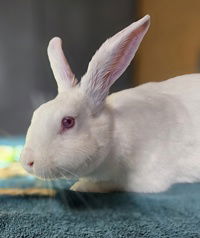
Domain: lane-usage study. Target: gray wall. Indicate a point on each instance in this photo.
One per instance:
(26, 26)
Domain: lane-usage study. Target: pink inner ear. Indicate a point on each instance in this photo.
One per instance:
(123, 54)
(112, 59)
(60, 67)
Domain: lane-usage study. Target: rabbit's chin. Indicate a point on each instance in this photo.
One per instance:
(51, 174)
(46, 174)
(54, 176)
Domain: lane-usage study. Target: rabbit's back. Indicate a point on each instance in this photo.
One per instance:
(175, 96)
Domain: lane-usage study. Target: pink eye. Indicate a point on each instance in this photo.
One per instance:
(68, 122)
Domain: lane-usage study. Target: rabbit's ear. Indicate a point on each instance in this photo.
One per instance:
(60, 67)
(111, 60)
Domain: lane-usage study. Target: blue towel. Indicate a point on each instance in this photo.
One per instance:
(175, 213)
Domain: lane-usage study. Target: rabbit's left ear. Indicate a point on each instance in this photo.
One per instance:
(111, 60)
(60, 67)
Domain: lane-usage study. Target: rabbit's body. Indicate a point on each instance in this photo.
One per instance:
(156, 135)
(142, 139)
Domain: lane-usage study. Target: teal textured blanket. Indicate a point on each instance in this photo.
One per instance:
(175, 213)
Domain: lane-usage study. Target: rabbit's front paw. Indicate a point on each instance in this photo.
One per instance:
(84, 185)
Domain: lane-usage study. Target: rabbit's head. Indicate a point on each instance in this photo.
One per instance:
(71, 135)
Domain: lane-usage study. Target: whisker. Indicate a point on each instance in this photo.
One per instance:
(69, 172)
(79, 195)
(62, 194)
(49, 185)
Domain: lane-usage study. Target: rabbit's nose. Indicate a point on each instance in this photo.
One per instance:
(30, 164)
(27, 159)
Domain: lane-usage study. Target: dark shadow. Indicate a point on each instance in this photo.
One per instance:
(124, 200)
(78, 200)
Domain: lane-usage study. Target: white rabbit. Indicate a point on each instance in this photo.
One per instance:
(142, 139)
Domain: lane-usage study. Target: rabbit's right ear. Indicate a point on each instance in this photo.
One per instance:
(111, 60)
(60, 67)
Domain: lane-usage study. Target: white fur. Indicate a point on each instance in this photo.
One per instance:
(61, 69)
(142, 139)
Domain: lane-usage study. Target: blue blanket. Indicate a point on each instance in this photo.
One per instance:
(175, 213)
